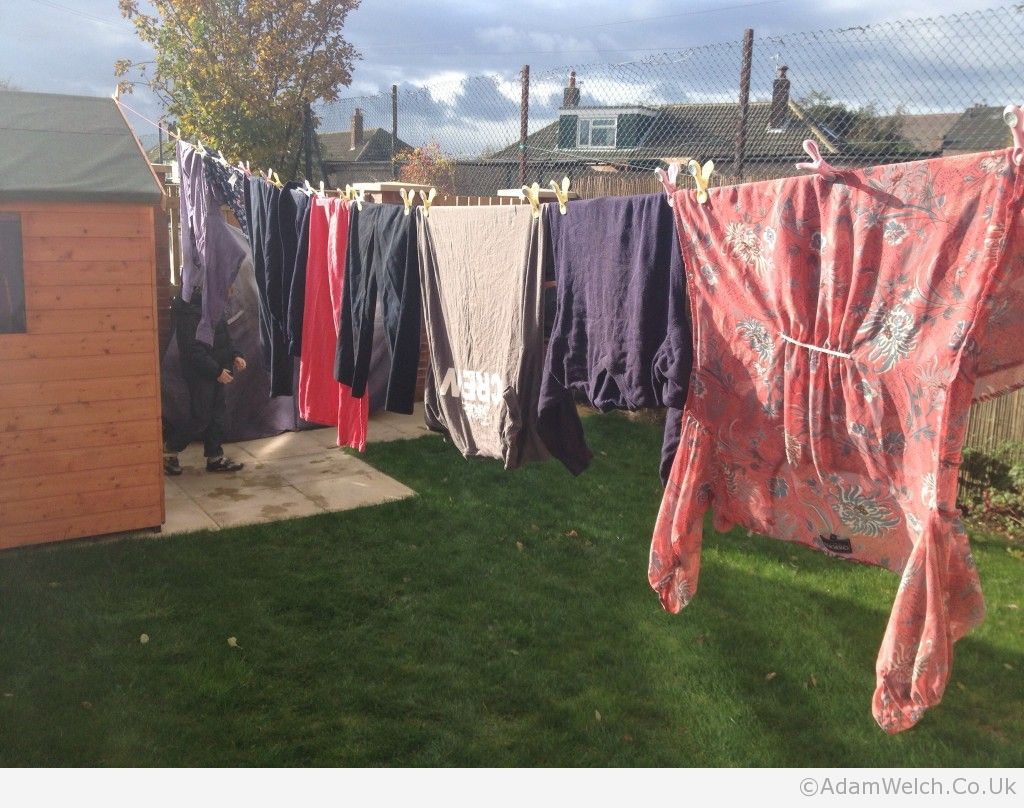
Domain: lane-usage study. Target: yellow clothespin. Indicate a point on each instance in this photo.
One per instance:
(427, 199)
(349, 192)
(561, 194)
(701, 175)
(407, 199)
(532, 194)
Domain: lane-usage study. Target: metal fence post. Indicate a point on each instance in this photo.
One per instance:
(524, 121)
(394, 130)
(307, 139)
(741, 124)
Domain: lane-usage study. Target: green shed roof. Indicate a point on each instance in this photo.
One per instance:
(70, 148)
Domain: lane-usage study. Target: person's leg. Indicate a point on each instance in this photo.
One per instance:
(214, 434)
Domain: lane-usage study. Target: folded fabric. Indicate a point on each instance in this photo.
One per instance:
(841, 329)
(620, 338)
(481, 280)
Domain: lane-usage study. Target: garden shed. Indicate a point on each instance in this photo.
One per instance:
(80, 438)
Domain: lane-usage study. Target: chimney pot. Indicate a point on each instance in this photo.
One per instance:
(571, 94)
(780, 100)
(357, 128)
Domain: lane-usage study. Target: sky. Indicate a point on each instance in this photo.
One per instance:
(70, 46)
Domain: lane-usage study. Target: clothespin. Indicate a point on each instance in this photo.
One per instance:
(427, 199)
(561, 193)
(1013, 116)
(349, 192)
(358, 196)
(817, 163)
(701, 175)
(200, 148)
(532, 194)
(668, 180)
(306, 188)
(407, 199)
(276, 181)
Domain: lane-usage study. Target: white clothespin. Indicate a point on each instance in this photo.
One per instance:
(701, 176)
(561, 193)
(322, 193)
(407, 199)
(427, 199)
(201, 148)
(532, 194)
(817, 163)
(358, 196)
(1013, 116)
(668, 180)
(306, 188)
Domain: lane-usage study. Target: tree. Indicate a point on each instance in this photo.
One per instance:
(238, 73)
(862, 128)
(427, 165)
(5, 84)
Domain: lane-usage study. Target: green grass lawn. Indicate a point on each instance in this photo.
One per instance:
(496, 619)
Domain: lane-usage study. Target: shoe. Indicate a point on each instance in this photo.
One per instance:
(172, 468)
(223, 464)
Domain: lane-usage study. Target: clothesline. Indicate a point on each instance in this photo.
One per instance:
(198, 147)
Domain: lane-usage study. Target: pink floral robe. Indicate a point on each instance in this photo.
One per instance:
(841, 330)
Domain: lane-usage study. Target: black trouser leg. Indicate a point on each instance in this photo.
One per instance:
(201, 394)
(217, 424)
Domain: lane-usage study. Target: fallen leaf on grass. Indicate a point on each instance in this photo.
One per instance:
(597, 714)
(54, 584)
(143, 638)
(1016, 553)
(627, 738)
(520, 546)
(87, 705)
(812, 682)
(770, 676)
(1012, 606)
(1008, 666)
(572, 534)
(8, 695)
(233, 642)
(961, 686)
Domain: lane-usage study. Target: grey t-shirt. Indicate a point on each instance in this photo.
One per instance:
(481, 277)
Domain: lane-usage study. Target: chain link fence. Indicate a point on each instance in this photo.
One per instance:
(869, 94)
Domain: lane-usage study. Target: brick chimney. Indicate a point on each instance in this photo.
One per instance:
(571, 94)
(357, 128)
(780, 100)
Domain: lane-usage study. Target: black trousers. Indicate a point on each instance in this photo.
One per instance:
(207, 419)
(382, 261)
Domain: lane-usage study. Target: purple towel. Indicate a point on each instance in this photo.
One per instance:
(621, 335)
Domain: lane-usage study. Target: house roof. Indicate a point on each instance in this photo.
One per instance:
(926, 132)
(978, 129)
(336, 147)
(682, 131)
(70, 148)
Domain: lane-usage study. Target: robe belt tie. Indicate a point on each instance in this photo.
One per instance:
(829, 351)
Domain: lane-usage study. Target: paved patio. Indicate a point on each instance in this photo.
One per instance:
(290, 475)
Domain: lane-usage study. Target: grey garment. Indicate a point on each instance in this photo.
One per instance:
(210, 254)
(481, 277)
(251, 412)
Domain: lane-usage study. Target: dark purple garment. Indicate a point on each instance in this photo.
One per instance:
(621, 335)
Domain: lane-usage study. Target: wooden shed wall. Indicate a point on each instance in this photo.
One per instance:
(80, 438)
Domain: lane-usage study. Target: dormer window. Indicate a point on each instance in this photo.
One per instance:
(596, 133)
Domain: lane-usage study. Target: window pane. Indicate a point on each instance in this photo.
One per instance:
(604, 122)
(584, 138)
(12, 281)
(602, 136)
